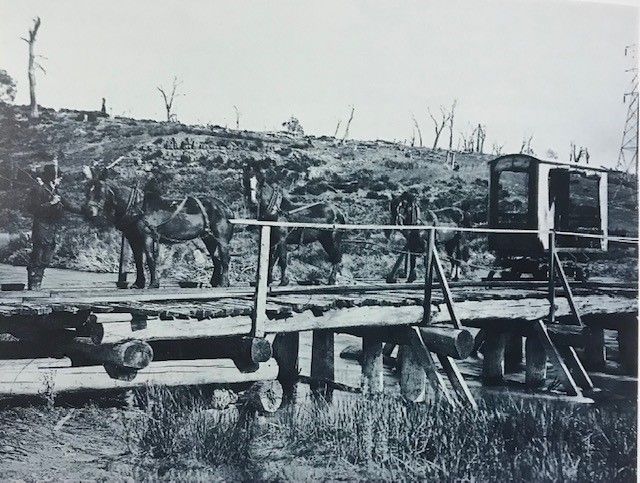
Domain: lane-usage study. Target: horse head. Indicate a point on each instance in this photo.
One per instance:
(404, 209)
(102, 199)
(262, 197)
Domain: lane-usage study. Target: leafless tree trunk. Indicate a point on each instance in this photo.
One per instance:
(451, 120)
(33, 64)
(169, 98)
(497, 149)
(415, 123)
(525, 148)
(439, 124)
(235, 108)
(481, 135)
(346, 129)
(335, 133)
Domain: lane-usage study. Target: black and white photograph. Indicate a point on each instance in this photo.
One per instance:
(296, 240)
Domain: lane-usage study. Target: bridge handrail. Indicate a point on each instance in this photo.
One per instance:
(346, 226)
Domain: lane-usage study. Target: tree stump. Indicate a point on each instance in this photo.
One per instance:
(536, 362)
(493, 363)
(413, 380)
(372, 377)
(264, 396)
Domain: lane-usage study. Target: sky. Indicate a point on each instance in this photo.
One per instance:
(554, 70)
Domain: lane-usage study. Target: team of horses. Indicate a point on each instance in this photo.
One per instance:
(147, 220)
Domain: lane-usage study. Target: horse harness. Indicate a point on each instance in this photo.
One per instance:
(155, 228)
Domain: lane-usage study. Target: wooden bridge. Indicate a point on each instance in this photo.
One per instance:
(245, 334)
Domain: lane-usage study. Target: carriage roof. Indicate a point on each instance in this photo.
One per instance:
(523, 161)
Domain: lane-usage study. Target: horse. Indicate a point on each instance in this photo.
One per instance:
(405, 210)
(146, 223)
(270, 203)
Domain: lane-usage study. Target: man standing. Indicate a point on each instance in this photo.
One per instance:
(46, 207)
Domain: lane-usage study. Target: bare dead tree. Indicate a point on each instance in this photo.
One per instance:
(335, 133)
(452, 114)
(417, 128)
(169, 98)
(525, 148)
(235, 108)
(497, 149)
(413, 136)
(572, 152)
(481, 135)
(33, 64)
(440, 123)
(346, 129)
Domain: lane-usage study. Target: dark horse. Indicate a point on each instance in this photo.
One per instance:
(405, 210)
(270, 203)
(147, 223)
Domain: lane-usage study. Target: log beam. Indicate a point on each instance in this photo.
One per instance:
(513, 353)
(413, 379)
(322, 363)
(595, 351)
(372, 377)
(285, 351)
(536, 362)
(493, 362)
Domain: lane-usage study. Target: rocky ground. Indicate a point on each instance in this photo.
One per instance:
(358, 176)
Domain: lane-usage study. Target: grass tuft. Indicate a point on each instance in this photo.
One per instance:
(387, 438)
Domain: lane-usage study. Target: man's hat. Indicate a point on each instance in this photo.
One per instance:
(50, 171)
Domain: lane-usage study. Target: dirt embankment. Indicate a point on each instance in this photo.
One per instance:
(358, 176)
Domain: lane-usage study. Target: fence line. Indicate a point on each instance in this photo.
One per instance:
(342, 226)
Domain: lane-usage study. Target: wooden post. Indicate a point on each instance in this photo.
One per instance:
(372, 378)
(554, 355)
(413, 379)
(322, 363)
(285, 352)
(259, 315)
(552, 277)
(423, 356)
(446, 291)
(567, 289)
(575, 367)
(536, 362)
(628, 347)
(457, 381)
(493, 362)
(428, 274)
(595, 352)
(513, 353)
(122, 274)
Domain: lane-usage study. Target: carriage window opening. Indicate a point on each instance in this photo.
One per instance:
(513, 197)
(584, 202)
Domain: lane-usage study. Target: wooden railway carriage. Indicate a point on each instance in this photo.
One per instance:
(534, 194)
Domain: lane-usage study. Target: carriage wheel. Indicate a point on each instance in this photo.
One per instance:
(581, 275)
(511, 274)
(541, 273)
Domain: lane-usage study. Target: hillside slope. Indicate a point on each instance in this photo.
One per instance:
(357, 175)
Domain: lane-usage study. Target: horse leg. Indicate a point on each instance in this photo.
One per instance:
(273, 258)
(225, 259)
(211, 243)
(456, 276)
(412, 267)
(449, 248)
(330, 245)
(151, 253)
(282, 263)
(391, 278)
(136, 249)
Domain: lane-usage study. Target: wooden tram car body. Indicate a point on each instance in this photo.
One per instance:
(534, 194)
